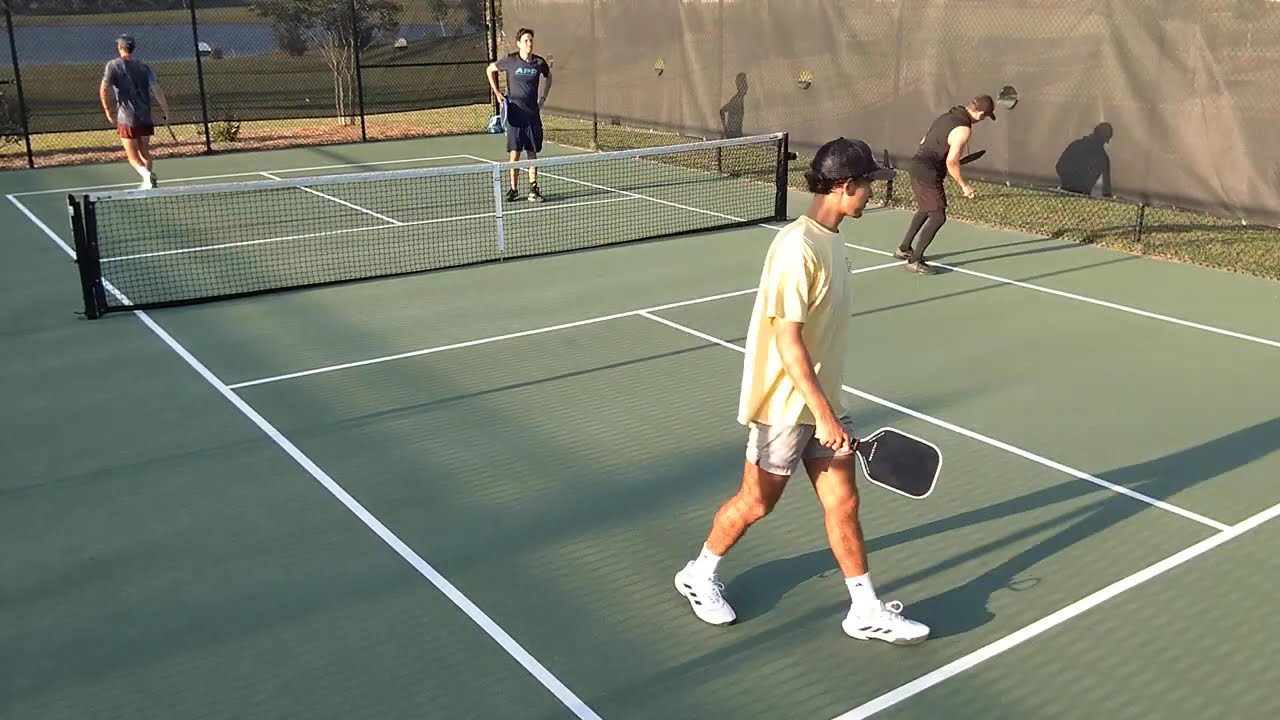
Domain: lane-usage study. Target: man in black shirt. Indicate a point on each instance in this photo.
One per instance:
(938, 156)
(524, 99)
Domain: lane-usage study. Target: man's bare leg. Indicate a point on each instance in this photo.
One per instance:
(140, 165)
(144, 152)
(533, 171)
(756, 498)
(835, 482)
(758, 495)
(131, 154)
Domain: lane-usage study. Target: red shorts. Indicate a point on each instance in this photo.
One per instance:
(136, 131)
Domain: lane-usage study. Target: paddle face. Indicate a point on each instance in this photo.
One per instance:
(972, 156)
(903, 463)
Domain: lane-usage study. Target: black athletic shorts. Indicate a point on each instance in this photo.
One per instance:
(525, 138)
(930, 194)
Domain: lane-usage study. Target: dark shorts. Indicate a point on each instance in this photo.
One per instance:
(136, 131)
(525, 138)
(929, 194)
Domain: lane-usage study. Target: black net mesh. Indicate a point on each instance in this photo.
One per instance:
(149, 248)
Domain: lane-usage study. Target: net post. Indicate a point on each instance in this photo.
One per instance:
(84, 233)
(497, 215)
(780, 179)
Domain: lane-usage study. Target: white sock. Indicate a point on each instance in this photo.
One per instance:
(143, 171)
(705, 565)
(861, 591)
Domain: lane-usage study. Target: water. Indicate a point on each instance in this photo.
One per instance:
(77, 44)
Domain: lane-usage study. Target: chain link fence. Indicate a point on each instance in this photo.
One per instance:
(244, 74)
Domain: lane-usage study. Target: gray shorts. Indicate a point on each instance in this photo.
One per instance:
(778, 449)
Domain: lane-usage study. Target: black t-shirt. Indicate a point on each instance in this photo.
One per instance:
(523, 77)
(930, 160)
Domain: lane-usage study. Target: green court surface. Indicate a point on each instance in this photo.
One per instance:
(465, 493)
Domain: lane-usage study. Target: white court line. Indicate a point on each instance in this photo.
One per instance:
(478, 616)
(242, 174)
(340, 201)
(631, 194)
(367, 228)
(978, 436)
(1094, 301)
(1049, 622)
(996, 278)
(510, 336)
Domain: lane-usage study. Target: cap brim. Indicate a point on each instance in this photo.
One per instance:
(881, 174)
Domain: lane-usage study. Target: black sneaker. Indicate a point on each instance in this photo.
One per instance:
(534, 194)
(512, 195)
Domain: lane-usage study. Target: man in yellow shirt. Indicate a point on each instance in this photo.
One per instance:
(792, 402)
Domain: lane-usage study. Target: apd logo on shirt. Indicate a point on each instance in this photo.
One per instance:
(527, 71)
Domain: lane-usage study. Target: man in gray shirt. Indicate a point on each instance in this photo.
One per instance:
(135, 86)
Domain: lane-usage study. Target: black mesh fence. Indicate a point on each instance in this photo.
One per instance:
(1142, 124)
(244, 74)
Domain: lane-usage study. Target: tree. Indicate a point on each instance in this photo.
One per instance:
(439, 11)
(1251, 12)
(327, 26)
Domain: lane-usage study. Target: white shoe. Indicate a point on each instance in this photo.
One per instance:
(704, 596)
(884, 622)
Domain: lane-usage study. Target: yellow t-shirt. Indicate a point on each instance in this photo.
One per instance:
(805, 279)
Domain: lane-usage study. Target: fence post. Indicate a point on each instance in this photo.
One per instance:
(595, 102)
(888, 186)
(355, 49)
(204, 103)
(493, 47)
(1137, 229)
(17, 79)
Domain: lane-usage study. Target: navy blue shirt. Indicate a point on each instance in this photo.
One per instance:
(523, 77)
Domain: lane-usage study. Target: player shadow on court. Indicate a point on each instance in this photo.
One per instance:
(733, 113)
(1042, 246)
(967, 607)
(994, 285)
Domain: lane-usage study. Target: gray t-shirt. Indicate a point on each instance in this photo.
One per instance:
(132, 80)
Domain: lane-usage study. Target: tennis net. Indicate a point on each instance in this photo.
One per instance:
(179, 245)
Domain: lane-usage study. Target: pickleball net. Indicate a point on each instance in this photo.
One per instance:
(197, 243)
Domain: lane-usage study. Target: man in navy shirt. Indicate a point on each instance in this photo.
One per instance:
(524, 99)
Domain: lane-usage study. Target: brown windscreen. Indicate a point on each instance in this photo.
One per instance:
(1162, 101)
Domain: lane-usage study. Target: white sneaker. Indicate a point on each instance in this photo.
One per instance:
(884, 622)
(704, 596)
